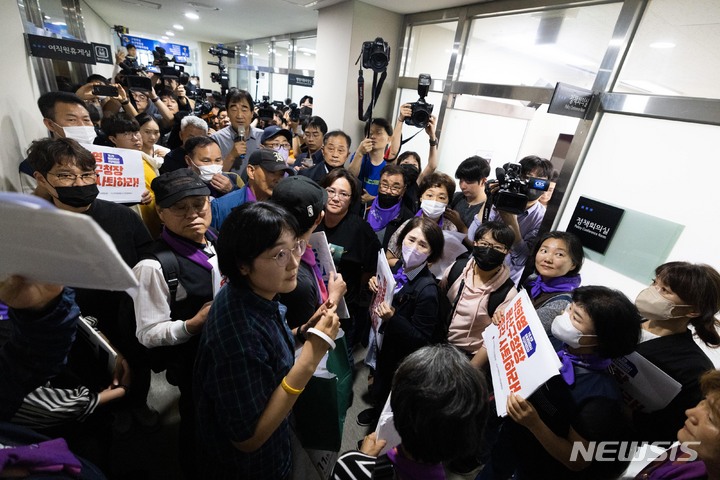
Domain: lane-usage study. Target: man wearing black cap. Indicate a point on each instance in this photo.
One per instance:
(171, 312)
(265, 170)
(277, 139)
(305, 200)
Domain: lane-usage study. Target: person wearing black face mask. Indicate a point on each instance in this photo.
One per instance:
(387, 212)
(476, 288)
(525, 225)
(66, 171)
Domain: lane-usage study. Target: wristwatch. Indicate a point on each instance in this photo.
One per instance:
(433, 143)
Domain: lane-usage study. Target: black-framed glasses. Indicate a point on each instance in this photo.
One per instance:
(395, 188)
(494, 246)
(69, 178)
(282, 258)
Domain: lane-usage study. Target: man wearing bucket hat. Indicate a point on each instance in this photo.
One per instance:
(177, 283)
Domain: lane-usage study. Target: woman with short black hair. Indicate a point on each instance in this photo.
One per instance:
(246, 377)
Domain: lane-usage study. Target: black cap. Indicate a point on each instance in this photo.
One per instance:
(274, 131)
(171, 187)
(270, 160)
(302, 197)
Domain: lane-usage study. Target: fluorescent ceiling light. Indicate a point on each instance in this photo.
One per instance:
(164, 37)
(170, 33)
(177, 26)
(58, 23)
(192, 15)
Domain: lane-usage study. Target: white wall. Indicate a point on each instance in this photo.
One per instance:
(342, 29)
(98, 31)
(20, 120)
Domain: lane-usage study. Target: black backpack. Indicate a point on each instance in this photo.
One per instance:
(447, 308)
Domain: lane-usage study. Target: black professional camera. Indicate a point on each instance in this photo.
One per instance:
(265, 112)
(376, 55)
(421, 110)
(159, 58)
(515, 191)
(221, 76)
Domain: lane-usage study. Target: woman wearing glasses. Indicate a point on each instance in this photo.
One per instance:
(470, 288)
(354, 246)
(246, 378)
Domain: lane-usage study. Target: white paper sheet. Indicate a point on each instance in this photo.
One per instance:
(645, 386)
(386, 429)
(320, 246)
(45, 244)
(453, 248)
(386, 290)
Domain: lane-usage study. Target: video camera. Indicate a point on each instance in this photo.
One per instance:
(221, 76)
(266, 112)
(299, 114)
(159, 57)
(376, 55)
(515, 191)
(421, 110)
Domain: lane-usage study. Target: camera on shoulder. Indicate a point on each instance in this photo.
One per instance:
(376, 55)
(515, 189)
(421, 110)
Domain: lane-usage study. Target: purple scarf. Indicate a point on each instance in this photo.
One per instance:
(400, 278)
(589, 361)
(378, 218)
(51, 456)
(440, 220)
(308, 257)
(187, 248)
(666, 470)
(558, 284)
(412, 470)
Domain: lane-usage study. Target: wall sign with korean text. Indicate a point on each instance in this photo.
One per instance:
(595, 223)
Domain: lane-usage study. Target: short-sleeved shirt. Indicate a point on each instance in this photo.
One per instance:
(370, 175)
(226, 139)
(467, 212)
(245, 351)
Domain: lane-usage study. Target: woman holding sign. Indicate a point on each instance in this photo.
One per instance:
(682, 294)
(412, 321)
(581, 405)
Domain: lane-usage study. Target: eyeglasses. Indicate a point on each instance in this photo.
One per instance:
(333, 193)
(395, 188)
(279, 145)
(283, 256)
(70, 178)
(181, 210)
(332, 150)
(499, 248)
(129, 135)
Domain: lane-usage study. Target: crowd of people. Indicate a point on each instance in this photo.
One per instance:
(233, 306)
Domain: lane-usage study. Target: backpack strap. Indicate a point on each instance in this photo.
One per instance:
(171, 270)
(498, 296)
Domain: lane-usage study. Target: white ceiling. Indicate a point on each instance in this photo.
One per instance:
(224, 21)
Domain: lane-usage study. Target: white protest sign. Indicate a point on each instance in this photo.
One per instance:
(121, 174)
(386, 290)
(520, 354)
(645, 387)
(386, 428)
(324, 259)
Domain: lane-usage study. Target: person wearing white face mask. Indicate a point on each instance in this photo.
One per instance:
(681, 295)
(436, 190)
(203, 156)
(412, 321)
(582, 404)
(65, 116)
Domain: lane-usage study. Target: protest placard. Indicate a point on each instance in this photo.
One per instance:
(121, 174)
(324, 259)
(386, 290)
(645, 387)
(520, 354)
(48, 245)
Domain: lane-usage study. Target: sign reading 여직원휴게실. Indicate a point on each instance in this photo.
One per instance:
(300, 80)
(60, 49)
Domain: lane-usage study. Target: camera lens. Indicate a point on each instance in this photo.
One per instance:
(420, 118)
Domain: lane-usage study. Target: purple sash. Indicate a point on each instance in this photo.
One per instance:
(558, 284)
(187, 248)
(378, 218)
(589, 361)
